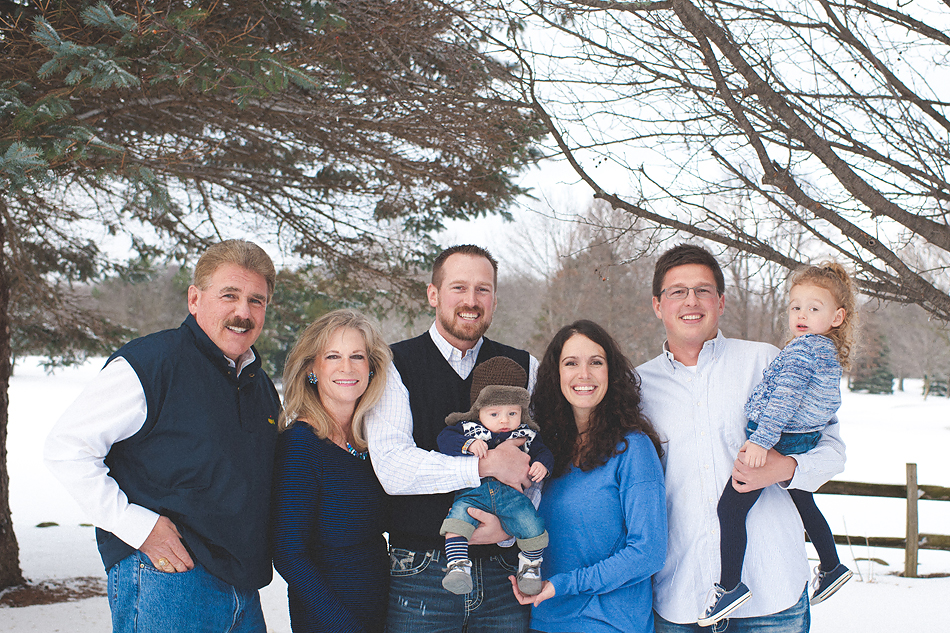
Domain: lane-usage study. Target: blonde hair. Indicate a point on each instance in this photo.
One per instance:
(833, 277)
(301, 399)
(245, 254)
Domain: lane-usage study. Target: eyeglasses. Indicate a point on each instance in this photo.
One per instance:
(679, 293)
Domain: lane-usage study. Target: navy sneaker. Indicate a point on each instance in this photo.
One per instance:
(725, 603)
(828, 582)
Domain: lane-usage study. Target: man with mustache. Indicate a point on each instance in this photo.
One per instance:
(429, 379)
(170, 452)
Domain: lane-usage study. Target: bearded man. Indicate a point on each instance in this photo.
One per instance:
(431, 378)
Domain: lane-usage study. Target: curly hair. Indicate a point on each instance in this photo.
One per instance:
(833, 277)
(302, 401)
(618, 413)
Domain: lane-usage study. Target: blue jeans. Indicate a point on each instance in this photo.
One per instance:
(144, 599)
(419, 604)
(795, 619)
(513, 509)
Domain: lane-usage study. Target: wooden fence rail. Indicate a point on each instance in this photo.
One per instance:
(913, 493)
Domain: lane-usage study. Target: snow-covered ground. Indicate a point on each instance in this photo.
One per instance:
(883, 433)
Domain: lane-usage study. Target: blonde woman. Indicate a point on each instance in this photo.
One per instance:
(329, 509)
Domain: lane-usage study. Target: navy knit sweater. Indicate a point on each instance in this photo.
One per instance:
(329, 516)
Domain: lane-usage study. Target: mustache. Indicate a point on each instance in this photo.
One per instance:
(238, 322)
(475, 309)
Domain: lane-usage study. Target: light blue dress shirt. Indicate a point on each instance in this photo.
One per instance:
(698, 413)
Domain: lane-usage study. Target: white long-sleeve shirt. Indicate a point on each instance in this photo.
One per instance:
(110, 409)
(401, 466)
(698, 413)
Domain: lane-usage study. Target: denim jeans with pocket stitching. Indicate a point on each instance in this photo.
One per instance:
(144, 599)
(419, 604)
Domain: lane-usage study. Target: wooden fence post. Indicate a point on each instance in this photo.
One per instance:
(910, 546)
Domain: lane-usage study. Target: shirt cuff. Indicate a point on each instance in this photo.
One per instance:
(135, 525)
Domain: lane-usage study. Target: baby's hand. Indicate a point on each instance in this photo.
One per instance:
(537, 472)
(478, 448)
(755, 455)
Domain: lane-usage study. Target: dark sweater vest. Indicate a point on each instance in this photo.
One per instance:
(435, 391)
(204, 457)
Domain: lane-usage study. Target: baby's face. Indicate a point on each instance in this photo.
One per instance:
(500, 418)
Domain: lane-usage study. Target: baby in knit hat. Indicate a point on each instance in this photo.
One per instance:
(499, 413)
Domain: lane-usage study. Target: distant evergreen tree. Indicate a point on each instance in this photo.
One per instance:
(872, 372)
(933, 386)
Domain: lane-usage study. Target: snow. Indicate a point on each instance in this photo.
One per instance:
(883, 433)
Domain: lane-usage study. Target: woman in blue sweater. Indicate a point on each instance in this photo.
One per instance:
(328, 508)
(605, 504)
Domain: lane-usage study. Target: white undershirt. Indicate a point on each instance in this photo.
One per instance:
(110, 409)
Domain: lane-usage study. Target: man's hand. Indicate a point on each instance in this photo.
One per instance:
(489, 531)
(165, 549)
(508, 464)
(778, 468)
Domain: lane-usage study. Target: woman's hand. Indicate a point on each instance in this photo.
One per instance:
(547, 591)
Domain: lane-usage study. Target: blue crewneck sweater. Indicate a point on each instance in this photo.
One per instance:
(607, 532)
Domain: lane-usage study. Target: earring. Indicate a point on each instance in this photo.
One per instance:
(312, 378)
(371, 374)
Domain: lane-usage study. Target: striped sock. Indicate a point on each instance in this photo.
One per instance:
(533, 555)
(456, 548)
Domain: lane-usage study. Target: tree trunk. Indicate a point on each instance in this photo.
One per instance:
(9, 550)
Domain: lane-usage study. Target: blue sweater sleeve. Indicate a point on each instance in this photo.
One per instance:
(795, 367)
(539, 452)
(643, 501)
(296, 504)
(451, 439)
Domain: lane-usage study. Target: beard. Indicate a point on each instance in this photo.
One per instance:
(463, 330)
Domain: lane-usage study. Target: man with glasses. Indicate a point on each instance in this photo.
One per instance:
(694, 393)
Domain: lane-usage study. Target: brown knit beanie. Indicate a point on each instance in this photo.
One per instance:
(497, 381)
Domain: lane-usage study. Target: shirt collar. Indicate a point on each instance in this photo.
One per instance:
(244, 360)
(711, 349)
(448, 350)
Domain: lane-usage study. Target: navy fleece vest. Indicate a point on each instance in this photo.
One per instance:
(204, 457)
(435, 391)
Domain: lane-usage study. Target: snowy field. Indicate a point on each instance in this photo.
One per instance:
(882, 432)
